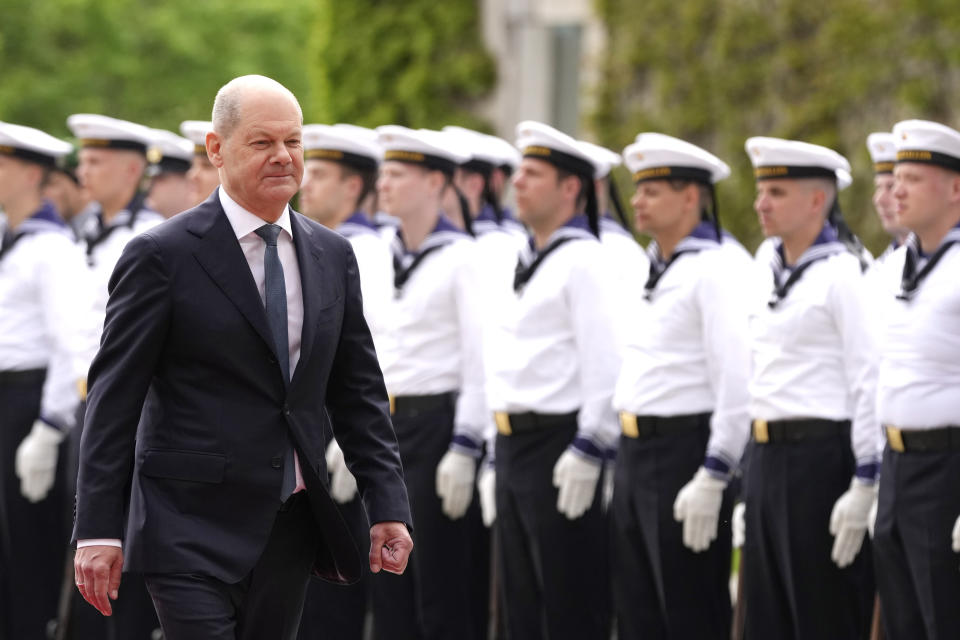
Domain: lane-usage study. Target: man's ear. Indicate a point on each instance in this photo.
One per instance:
(214, 144)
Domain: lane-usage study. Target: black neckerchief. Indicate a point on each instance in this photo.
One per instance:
(825, 245)
(703, 236)
(912, 278)
(405, 263)
(45, 218)
(577, 228)
(92, 241)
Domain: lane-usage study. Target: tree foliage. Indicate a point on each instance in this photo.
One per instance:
(716, 72)
(418, 63)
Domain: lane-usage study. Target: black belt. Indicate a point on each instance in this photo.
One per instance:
(27, 376)
(646, 427)
(407, 405)
(511, 423)
(923, 440)
(798, 430)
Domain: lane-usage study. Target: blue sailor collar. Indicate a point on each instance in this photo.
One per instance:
(576, 228)
(824, 245)
(444, 232)
(43, 219)
(702, 237)
(356, 224)
(486, 221)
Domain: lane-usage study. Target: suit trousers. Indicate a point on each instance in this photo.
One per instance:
(266, 603)
(553, 571)
(918, 573)
(661, 589)
(794, 590)
(435, 598)
(33, 543)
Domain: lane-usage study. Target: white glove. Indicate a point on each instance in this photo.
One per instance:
(698, 507)
(739, 524)
(849, 519)
(455, 475)
(343, 486)
(36, 461)
(872, 518)
(576, 477)
(487, 487)
(956, 536)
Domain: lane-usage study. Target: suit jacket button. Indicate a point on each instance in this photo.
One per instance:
(276, 462)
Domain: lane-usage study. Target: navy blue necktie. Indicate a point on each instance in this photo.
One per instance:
(275, 301)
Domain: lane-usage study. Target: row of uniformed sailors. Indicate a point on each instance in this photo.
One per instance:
(717, 350)
(462, 333)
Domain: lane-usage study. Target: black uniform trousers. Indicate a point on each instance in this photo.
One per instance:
(661, 589)
(434, 598)
(553, 571)
(32, 538)
(918, 574)
(794, 590)
(266, 603)
(333, 611)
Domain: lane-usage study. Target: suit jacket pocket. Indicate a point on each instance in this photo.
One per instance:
(195, 466)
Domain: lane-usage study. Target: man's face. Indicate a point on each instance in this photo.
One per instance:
(405, 190)
(323, 194)
(885, 203)
(261, 161)
(922, 194)
(170, 194)
(15, 179)
(784, 206)
(657, 206)
(203, 178)
(538, 190)
(106, 173)
(67, 196)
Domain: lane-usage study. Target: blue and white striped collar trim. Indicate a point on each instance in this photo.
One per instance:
(824, 245)
(443, 233)
(357, 224)
(702, 238)
(913, 242)
(576, 228)
(44, 220)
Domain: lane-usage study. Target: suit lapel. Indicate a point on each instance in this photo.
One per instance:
(222, 258)
(311, 285)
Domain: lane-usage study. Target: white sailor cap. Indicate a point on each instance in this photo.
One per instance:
(104, 132)
(196, 131)
(32, 145)
(883, 151)
(486, 152)
(425, 147)
(343, 143)
(656, 156)
(168, 153)
(778, 158)
(928, 143)
(604, 159)
(543, 142)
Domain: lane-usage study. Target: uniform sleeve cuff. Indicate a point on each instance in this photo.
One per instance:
(100, 542)
(588, 449)
(717, 467)
(868, 472)
(56, 424)
(466, 445)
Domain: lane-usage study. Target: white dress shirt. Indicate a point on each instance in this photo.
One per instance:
(919, 380)
(435, 344)
(689, 351)
(45, 322)
(555, 350)
(815, 353)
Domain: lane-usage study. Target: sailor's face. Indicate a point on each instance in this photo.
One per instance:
(656, 205)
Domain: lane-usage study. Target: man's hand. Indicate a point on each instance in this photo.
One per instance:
(36, 461)
(697, 506)
(343, 486)
(576, 478)
(454, 478)
(390, 547)
(849, 521)
(487, 488)
(97, 574)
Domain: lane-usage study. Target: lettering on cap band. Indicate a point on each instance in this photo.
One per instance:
(929, 157)
(883, 167)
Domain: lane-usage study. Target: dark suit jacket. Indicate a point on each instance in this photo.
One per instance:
(187, 355)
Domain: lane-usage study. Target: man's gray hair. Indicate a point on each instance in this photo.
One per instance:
(226, 106)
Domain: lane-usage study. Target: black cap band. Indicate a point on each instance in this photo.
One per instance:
(565, 161)
(100, 143)
(430, 161)
(775, 172)
(30, 156)
(474, 165)
(673, 173)
(929, 157)
(172, 165)
(356, 160)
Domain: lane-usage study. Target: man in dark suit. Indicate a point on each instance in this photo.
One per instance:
(233, 331)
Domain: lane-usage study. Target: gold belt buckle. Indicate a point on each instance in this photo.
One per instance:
(82, 388)
(895, 438)
(628, 424)
(761, 431)
(502, 419)
(393, 403)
